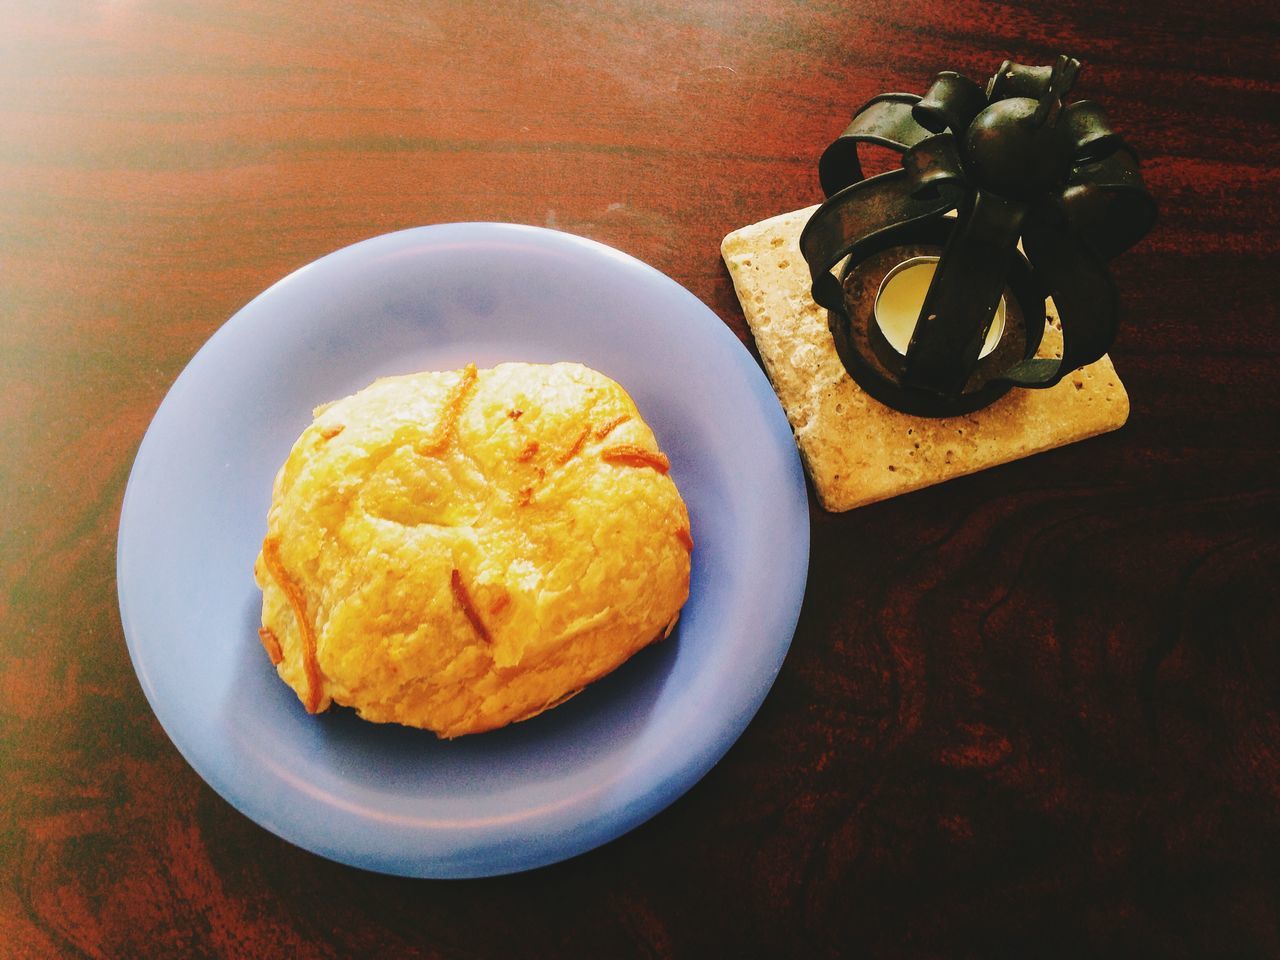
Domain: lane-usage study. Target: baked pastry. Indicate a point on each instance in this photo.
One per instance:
(458, 551)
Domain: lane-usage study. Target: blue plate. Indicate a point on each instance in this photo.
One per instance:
(397, 800)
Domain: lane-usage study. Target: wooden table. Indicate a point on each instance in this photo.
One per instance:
(1033, 712)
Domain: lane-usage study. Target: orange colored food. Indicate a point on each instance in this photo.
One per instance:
(470, 553)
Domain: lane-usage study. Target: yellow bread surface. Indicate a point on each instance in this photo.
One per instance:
(857, 450)
(470, 548)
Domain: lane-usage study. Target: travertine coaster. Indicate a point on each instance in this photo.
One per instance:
(856, 449)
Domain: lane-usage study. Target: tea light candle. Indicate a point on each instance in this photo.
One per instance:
(900, 297)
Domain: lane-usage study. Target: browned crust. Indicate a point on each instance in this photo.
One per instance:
(328, 433)
(630, 455)
(271, 644)
(611, 425)
(500, 602)
(685, 538)
(463, 597)
(526, 453)
(453, 410)
(310, 663)
(576, 447)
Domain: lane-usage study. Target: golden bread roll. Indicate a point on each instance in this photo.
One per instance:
(458, 551)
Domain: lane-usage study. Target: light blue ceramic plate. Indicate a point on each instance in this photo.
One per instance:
(398, 800)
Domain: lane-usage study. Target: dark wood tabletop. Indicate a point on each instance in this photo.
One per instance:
(1034, 712)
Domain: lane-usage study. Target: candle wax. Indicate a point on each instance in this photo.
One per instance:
(901, 296)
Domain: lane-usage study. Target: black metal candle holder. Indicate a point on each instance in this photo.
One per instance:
(1015, 163)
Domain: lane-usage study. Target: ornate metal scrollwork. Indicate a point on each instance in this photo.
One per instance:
(1017, 164)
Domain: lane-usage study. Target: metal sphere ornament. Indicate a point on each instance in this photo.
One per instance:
(1017, 165)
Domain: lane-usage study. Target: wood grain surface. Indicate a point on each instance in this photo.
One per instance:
(1033, 712)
